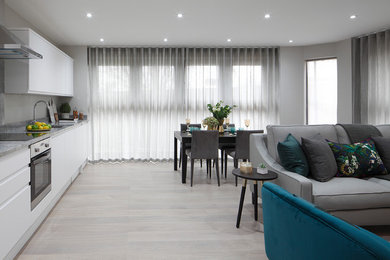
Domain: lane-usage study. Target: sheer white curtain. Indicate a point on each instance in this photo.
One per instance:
(139, 96)
(371, 78)
(245, 77)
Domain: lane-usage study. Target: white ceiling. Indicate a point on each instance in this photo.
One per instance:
(205, 22)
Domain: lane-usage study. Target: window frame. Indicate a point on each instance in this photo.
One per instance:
(307, 83)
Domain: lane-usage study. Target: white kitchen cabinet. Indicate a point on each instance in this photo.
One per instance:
(15, 203)
(69, 153)
(51, 75)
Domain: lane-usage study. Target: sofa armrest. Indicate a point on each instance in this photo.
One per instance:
(290, 181)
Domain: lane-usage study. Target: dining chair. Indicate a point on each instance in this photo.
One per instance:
(223, 147)
(204, 145)
(183, 128)
(241, 151)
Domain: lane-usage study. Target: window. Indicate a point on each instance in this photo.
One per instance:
(321, 92)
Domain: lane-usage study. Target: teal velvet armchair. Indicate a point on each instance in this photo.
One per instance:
(296, 229)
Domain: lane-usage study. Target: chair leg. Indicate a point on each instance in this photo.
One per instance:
(236, 181)
(235, 163)
(222, 160)
(200, 163)
(210, 168)
(192, 171)
(217, 171)
(181, 147)
(226, 164)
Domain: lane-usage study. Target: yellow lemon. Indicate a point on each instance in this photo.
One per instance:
(45, 127)
(29, 127)
(40, 127)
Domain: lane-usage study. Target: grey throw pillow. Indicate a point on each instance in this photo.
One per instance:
(322, 163)
(382, 145)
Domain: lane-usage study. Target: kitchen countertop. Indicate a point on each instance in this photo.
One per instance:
(8, 147)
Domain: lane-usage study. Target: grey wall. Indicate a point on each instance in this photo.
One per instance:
(16, 108)
(292, 80)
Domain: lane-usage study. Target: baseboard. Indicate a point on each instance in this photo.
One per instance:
(15, 251)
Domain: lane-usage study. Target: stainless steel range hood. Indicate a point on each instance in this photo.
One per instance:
(11, 47)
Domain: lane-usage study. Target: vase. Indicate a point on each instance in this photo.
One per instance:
(220, 128)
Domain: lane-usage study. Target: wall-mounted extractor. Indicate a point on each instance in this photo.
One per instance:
(11, 47)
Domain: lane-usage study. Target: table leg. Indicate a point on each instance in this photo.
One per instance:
(255, 199)
(241, 203)
(184, 168)
(175, 154)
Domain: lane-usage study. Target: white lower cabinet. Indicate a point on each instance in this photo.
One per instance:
(69, 151)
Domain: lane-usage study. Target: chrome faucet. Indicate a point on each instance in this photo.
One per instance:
(35, 106)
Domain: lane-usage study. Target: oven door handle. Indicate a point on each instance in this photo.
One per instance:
(44, 157)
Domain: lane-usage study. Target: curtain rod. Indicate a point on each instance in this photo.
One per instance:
(152, 46)
(371, 33)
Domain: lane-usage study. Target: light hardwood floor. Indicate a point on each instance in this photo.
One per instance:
(142, 211)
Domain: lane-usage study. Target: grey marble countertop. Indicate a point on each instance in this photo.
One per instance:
(8, 147)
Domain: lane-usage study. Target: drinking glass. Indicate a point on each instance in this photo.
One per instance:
(247, 122)
(204, 124)
(188, 122)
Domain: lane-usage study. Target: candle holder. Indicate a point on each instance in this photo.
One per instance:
(246, 167)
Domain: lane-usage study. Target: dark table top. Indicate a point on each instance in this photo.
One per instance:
(255, 176)
(187, 136)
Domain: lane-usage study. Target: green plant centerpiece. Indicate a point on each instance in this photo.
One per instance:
(211, 122)
(220, 112)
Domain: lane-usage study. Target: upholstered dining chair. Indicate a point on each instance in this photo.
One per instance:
(183, 128)
(241, 151)
(223, 147)
(204, 145)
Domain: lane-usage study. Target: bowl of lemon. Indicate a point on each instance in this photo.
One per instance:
(38, 127)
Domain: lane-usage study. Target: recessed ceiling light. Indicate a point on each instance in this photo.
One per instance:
(101, 40)
(179, 15)
(353, 16)
(290, 41)
(165, 39)
(229, 40)
(267, 16)
(89, 15)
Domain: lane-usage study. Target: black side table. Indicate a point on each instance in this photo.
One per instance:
(255, 177)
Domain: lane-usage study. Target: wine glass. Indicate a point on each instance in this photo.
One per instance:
(247, 122)
(227, 122)
(204, 124)
(188, 122)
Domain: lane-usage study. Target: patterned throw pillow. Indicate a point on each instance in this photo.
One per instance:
(357, 160)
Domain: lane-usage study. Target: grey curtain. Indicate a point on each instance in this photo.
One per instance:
(139, 96)
(371, 78)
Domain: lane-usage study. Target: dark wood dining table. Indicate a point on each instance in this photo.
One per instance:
(186, 138)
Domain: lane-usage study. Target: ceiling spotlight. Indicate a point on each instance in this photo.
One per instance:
(165, 39)
(101, 40)
(353, 17)
(290, 41)
(89, 15)
(229, 40)
(179, 15)
(267, 16)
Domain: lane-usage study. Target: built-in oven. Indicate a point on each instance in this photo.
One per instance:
(40, 171)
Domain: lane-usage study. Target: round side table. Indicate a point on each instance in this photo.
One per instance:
(255, 177)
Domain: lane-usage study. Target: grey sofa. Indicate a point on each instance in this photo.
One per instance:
(360, 201)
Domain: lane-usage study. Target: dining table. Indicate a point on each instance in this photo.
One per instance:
(186, 138)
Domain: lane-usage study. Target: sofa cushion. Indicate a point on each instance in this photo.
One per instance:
(342, 135)
(384, 129)
(292, 157)
(350, 194)
(382, 145)
(357, 160)
(322, 163)
(277, 133)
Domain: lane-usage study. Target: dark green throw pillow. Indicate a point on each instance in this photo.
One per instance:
(292, 157)
(357, 160)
